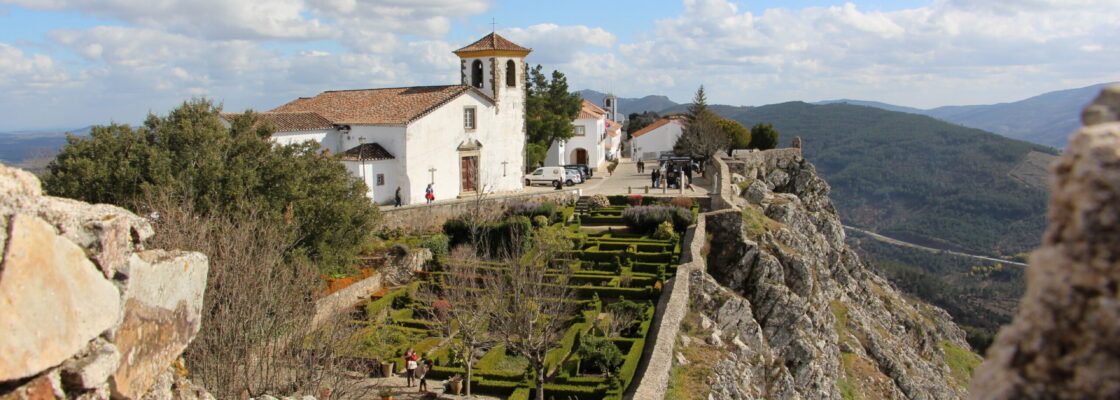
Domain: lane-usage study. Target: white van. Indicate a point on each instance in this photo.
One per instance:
(546, 175)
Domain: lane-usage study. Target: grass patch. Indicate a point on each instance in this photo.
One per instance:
(755, 223)
(840, 314)
(961, 362)
(691, 381)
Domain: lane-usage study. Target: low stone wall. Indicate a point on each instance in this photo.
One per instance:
(723, 190)
(85, 310)
(657, 357)
(338, 302)
(424, 216)
(750, 165)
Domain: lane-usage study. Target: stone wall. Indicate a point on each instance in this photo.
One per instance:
(85, 310)
(1062, 343)
(424, 216)
(750, 165)
(652, 376)
(338, 302)
(723, 190)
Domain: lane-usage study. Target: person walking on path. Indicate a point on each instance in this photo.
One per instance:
(397, 198)
(421, 372)
(410, 365)
(653, 176)
(641, 166)
(430, 194)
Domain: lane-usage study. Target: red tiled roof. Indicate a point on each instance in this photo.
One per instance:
(288, 121)
(376, 106)
(367, 152)
(492, 42)
(590, 110)
(659, 123)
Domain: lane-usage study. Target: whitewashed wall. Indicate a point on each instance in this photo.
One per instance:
(656, 141)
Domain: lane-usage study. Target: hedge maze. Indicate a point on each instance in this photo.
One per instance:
(616, 275)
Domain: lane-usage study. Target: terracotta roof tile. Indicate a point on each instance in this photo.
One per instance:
(590, 110)
(289, 121)
(376, 106)
(367, 152)
(659, 123)
(492, 42)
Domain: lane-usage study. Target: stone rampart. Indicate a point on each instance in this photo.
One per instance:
(751, 164)
(424, 216)
(85, 310)
(652, 376)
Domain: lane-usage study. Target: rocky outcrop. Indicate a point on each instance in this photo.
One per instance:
(790, 312)
(85, 310)
(1062, 343)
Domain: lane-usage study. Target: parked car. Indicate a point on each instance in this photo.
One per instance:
(583, 169)
(573, 176)
(547, 176)
(582, 177)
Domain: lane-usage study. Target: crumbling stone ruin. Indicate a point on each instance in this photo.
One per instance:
(1063, 341)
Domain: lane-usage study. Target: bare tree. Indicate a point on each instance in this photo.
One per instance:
(461, 307)
(257, 306)
(701, 139)
(535, 303)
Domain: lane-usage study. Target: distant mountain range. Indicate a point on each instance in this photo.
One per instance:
(1047, 119)
(32, 150)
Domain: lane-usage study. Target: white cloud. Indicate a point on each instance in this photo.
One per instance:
(554, 44)
(788, 54)
(212, 19)
(22, 74)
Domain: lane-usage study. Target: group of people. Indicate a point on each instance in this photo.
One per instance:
(672, 176)
(429, 195)
(417, 368)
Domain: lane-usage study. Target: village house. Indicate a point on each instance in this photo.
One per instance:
(656, 138)
(596, 138)
(462, 139)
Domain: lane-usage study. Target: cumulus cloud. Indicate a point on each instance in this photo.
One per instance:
(554, 44)
(23, 74)
(974, 43)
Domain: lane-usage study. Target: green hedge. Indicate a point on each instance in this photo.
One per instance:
(553, 358)
(601, 219)
(521, 393)
(491, 358)
(614, 292)
(664, 257)
(570, 392)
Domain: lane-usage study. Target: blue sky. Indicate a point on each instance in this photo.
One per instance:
(71, 63)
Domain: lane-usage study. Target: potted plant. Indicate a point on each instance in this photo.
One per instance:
(455, 384)
(386, 393)
(386, 368)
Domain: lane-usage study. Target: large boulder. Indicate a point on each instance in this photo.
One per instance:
(53, 300)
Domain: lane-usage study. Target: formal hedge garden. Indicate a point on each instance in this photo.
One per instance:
(614, 272)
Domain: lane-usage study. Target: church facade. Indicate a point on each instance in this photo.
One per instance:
(463, 139)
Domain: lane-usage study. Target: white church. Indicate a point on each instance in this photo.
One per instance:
(461, 139)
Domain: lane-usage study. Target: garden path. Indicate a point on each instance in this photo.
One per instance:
(435, 386)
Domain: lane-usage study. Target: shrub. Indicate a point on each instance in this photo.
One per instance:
(601, 353)
(682, 202)
(439, 246)
(645, 219)
(598, 201)
(540, 220)
(530, 209)
(634, 200)
(665, 232)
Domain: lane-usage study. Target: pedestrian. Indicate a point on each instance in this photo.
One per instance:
(430, 194)
(422, 372)
(410, 365)
(688, 171)
(397, 198)
(641, 166)
(653, 177)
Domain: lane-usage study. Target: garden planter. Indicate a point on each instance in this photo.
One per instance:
(456, 387)
(386, 369)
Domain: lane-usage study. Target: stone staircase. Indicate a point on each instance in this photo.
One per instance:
(583, 205)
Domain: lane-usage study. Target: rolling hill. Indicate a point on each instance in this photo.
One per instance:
(918, 178)
(1047, 119)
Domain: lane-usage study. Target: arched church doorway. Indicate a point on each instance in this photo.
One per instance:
(579, 156)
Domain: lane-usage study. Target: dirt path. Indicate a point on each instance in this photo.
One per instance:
(893, 241)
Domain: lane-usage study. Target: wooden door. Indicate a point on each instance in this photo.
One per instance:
(581, 156)
(468, 171)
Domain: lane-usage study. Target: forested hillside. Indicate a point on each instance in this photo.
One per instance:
(917, 178)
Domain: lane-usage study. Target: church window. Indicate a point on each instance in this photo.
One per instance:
(380, 179)
(580, 130)
(469, 118)
(476, 73)
(511, 73)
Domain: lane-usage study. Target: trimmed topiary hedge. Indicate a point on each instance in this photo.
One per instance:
(645, 219)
